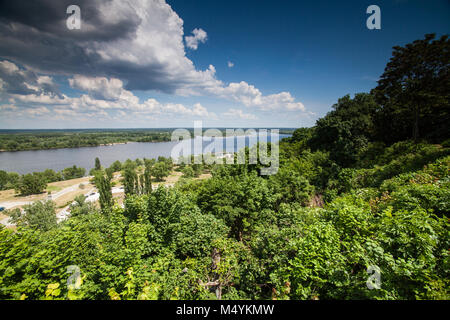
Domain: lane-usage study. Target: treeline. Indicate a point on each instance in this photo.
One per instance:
(411, 101)
(344, 201)
(57, 139)
(38, 140)
(36, 182)
(158, 168)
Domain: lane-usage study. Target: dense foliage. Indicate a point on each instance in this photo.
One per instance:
(343, 207)
(271, 242)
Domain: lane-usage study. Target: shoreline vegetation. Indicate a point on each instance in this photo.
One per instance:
(37, 182)
(32, 140)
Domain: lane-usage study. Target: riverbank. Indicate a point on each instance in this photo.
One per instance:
(24, 162)
(35, 140)
(48, 139)
(80, 146)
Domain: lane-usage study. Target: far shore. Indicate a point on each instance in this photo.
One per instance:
(87, 146)
(235, 134)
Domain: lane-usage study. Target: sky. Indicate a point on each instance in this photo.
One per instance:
(156, 63)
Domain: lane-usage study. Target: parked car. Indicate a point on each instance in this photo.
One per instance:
(2, 208)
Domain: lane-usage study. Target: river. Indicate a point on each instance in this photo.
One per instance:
(58, 159)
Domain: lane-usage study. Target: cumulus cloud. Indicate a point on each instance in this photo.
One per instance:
(112, 98)
(122, 46)
(199, 35)
(98, 87)
(139, 42)
(250, 96)
(15, 80)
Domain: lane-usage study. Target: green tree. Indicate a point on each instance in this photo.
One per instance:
(3, 179)
(135, 184)
(291, 186)
(31, 183)
(52, 176)
(241, 201)
(40, 215)
(116, 166)
(129, 180)
(103, 183)
(138, 162)
(81, 207)
(197, 168)
(73, 173)
(160, 170)
(188, 172)
(13, 178)
(301, 134)
(97, 164)
(413, 92)
(149, 162)
(347, 130)
(129, 164)
(147, 180)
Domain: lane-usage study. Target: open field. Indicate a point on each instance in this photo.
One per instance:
(61, 192)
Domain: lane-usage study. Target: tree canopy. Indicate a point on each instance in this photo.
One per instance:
(413, 92)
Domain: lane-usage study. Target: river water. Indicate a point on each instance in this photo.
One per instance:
(58, 159)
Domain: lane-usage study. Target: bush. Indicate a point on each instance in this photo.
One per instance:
(31, 184)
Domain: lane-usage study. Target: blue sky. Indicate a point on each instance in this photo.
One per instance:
(291, 61)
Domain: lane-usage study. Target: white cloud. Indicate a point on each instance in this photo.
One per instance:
(23, 81)
(39, 111)
(41, 99)
(8, 67)
(122, 102)
(199, 35)
(250, 96)
(140, 42)
(237, 113)
(99, 87)
(151, 57)
(45, 80)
